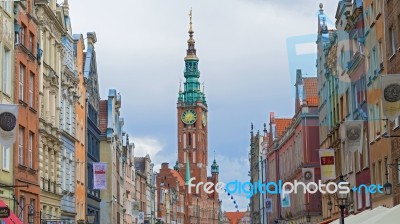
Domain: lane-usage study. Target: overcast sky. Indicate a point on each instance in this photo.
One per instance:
(242, 46)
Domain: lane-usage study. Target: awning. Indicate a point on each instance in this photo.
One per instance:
(366, 216)
(328, 221)
(392, 215)
(13, 219)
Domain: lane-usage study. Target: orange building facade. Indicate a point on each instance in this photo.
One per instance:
(80, 143)
(26, 155)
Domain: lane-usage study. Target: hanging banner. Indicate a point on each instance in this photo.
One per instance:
(8, 124)
(327, 162)
(391, 96)
(135, 208)
(308, 175)
(141, 217)
(99, 176)
(268, 205)
(285, 199)
(354, 131)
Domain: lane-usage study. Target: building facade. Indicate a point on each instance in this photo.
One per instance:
(27, 96)
(68, 99)
(391, 11)
(92, 125)
(257, 170)
(50, 33)
(294, 147)
(8, 153)
(376, 65)
(130, 181)
(80, 130)
(111, 126)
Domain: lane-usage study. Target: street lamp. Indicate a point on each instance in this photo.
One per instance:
(90, 218)
(308, 217)
(387, 186)
(342, 199)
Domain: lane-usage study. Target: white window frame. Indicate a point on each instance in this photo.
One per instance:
(7, 71)
(359, 200)
(392, 40)
(21, 208)
(22, 72)
(21, 146)
(31, 90)
(6, 158)
(30, 150)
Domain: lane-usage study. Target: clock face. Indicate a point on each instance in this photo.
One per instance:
(204, 119)
(189, 116)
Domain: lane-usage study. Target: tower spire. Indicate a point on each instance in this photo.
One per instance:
(191, 51)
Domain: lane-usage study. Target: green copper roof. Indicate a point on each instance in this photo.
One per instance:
(191, 89)
(214, 167)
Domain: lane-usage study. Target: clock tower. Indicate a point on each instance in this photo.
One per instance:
(192, 119)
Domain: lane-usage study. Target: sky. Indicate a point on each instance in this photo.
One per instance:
(246, 57)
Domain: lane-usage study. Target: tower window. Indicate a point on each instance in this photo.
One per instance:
(189, 139)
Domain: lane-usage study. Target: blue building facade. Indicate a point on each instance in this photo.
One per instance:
(92, 124)
(68, 98)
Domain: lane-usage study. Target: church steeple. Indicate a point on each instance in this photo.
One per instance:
(191, 89)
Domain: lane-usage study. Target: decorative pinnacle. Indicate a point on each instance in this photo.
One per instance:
(214, 154)
(180, 85)
(321, 8)
(190, 28)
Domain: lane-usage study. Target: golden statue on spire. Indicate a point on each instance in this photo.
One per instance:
(190, 15)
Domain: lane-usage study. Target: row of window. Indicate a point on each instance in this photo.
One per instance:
(5, 69)
(27, 40)
(392, 37)
(379, 172)
(25, 150)
(23, 208)
(26, 92)
(7, 6)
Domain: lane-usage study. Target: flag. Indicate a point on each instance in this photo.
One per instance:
(391, 96)
(327, 162)
(141, 217)
(99, 176)
(285, 199)
(268, 205)
(135, 208)
(8, 124)
(354, 131)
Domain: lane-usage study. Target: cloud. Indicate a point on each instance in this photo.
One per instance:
(242, 46)
(151, 146)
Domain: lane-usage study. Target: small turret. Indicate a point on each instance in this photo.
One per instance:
(214, 168)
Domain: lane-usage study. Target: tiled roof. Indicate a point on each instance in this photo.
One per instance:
(281, 125)
(311, 90)
(103, 115)
(178, 177)
(234, 217)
